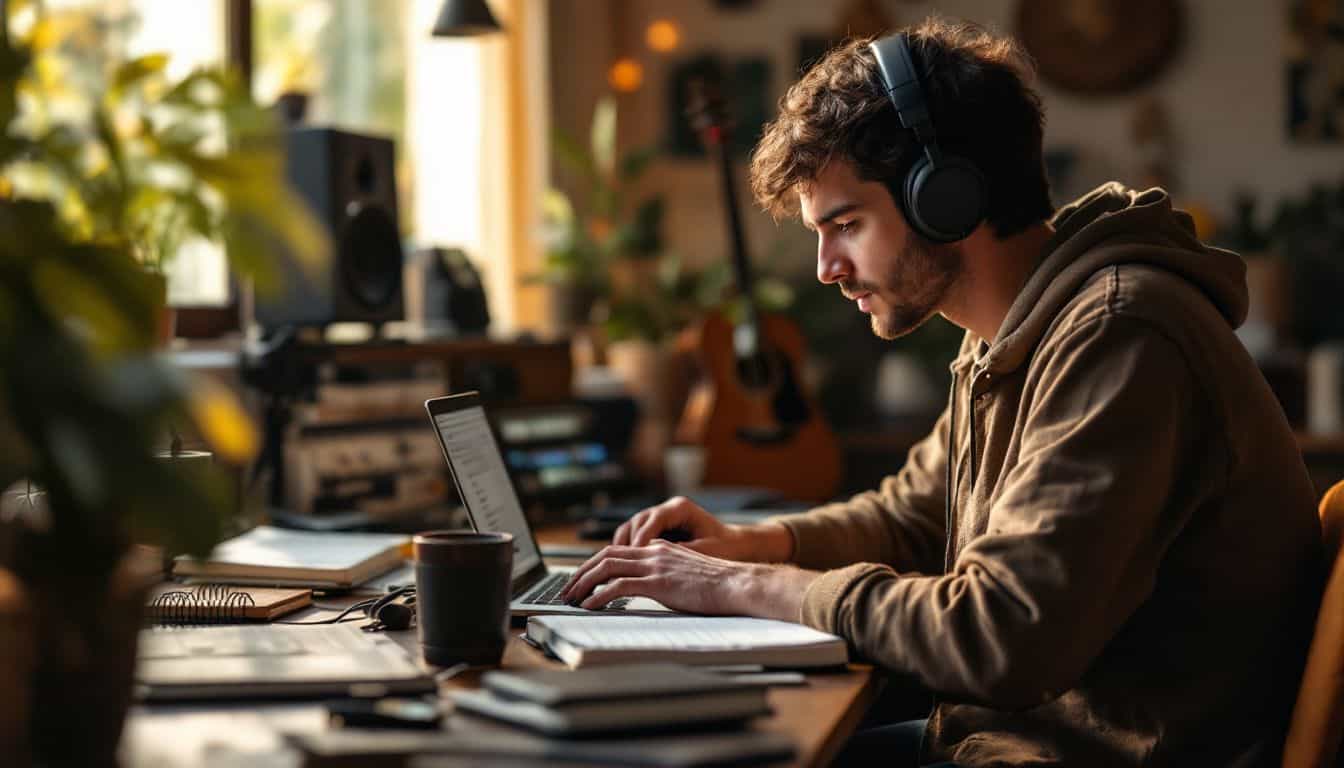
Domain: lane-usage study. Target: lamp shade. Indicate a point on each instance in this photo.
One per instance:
(465, 18)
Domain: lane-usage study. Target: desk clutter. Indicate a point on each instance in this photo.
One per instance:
(639, 714)
(467, 743)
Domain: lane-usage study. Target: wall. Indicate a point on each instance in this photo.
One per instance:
(1224, 96)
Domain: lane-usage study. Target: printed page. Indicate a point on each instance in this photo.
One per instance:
(269, 546)
(682, 632)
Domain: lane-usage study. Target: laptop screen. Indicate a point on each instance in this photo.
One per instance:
(487, 493)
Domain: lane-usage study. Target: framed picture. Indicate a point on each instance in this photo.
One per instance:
(1315, 70)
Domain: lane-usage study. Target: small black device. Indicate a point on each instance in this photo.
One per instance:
(943, 195)
(454, 297)
(383, 713)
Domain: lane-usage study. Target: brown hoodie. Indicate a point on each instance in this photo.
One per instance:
(1120, 563)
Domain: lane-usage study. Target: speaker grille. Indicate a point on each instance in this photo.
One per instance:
(370, 256)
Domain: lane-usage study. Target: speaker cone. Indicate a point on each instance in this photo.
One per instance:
(370, 256)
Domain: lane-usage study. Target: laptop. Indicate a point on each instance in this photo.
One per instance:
(487, 492)
(272, 662)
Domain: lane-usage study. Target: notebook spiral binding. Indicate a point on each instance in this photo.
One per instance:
(206, 604)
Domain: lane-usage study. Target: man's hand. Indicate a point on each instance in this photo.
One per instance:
(686, 580)
(767, 542)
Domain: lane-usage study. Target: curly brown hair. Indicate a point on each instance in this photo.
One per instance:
(976, 86)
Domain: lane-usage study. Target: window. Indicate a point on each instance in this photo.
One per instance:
(349, 59)
(192, 34)
(468, 155)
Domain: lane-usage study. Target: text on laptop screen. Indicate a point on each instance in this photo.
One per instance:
(484, 482)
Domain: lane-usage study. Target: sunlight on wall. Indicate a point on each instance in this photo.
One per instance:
(454, 148)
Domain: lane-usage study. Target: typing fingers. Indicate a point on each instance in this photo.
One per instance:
(651, 522)
(587, 566)
(613, 568)
(624, 586)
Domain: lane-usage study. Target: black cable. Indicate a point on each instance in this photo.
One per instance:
(360, 606)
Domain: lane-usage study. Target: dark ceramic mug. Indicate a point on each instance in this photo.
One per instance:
(462, 581)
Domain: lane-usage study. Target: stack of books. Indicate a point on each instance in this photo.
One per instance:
(622, 697)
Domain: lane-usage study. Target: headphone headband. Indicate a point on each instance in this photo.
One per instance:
(901, 82)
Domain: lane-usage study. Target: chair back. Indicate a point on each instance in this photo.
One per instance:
(1318, 717)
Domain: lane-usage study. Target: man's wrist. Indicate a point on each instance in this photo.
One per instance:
(775, 591)
(774, 542)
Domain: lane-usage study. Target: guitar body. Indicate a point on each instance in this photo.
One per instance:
(758, 427)
(749, 410)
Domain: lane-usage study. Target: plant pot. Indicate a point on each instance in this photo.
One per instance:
(73, 666)
(18, 646)
(292, 106)
(165, 323)
(571, 307)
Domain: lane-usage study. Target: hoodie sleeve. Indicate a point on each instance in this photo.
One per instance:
(1074, 539)
(902, 524)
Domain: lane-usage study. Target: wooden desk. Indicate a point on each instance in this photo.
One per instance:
(818, 716)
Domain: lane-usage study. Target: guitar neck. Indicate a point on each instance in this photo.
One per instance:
(737, 235)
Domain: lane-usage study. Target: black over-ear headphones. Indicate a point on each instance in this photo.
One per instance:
(943, 195)
(395, 610)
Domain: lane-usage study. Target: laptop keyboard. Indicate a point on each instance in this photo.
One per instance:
(547, 592)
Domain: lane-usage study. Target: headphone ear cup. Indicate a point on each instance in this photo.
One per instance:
(395, 616)
(945, 202)
(910, 193)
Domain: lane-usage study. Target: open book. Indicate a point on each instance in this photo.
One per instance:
(280, 557)
(583, 640)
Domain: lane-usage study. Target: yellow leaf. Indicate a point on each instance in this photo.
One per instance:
(46, 34)
(222, 422)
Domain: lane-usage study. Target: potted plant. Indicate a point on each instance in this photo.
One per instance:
(1307, 233)
(90, 206)
(609, 231)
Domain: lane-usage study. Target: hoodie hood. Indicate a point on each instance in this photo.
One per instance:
(1114, 225)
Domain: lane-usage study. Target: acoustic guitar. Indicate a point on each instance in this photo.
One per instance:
(749, 410)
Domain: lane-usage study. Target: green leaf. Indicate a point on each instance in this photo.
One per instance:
(641, 237)
(773, 295)
(603, 136)
(572, 156)
(135, 71)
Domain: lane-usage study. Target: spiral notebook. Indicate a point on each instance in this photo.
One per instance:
(222, 604)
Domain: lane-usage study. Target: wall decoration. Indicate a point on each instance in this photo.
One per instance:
(1100, 47)
(1315, 60)
(744, 83)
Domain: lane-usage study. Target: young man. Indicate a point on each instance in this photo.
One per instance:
(1106, 552)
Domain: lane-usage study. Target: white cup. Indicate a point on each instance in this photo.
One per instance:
(684, 468)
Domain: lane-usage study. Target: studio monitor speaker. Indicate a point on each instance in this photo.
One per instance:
(348, 181)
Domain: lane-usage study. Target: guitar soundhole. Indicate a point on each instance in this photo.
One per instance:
(754, 372)
(770, 370)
